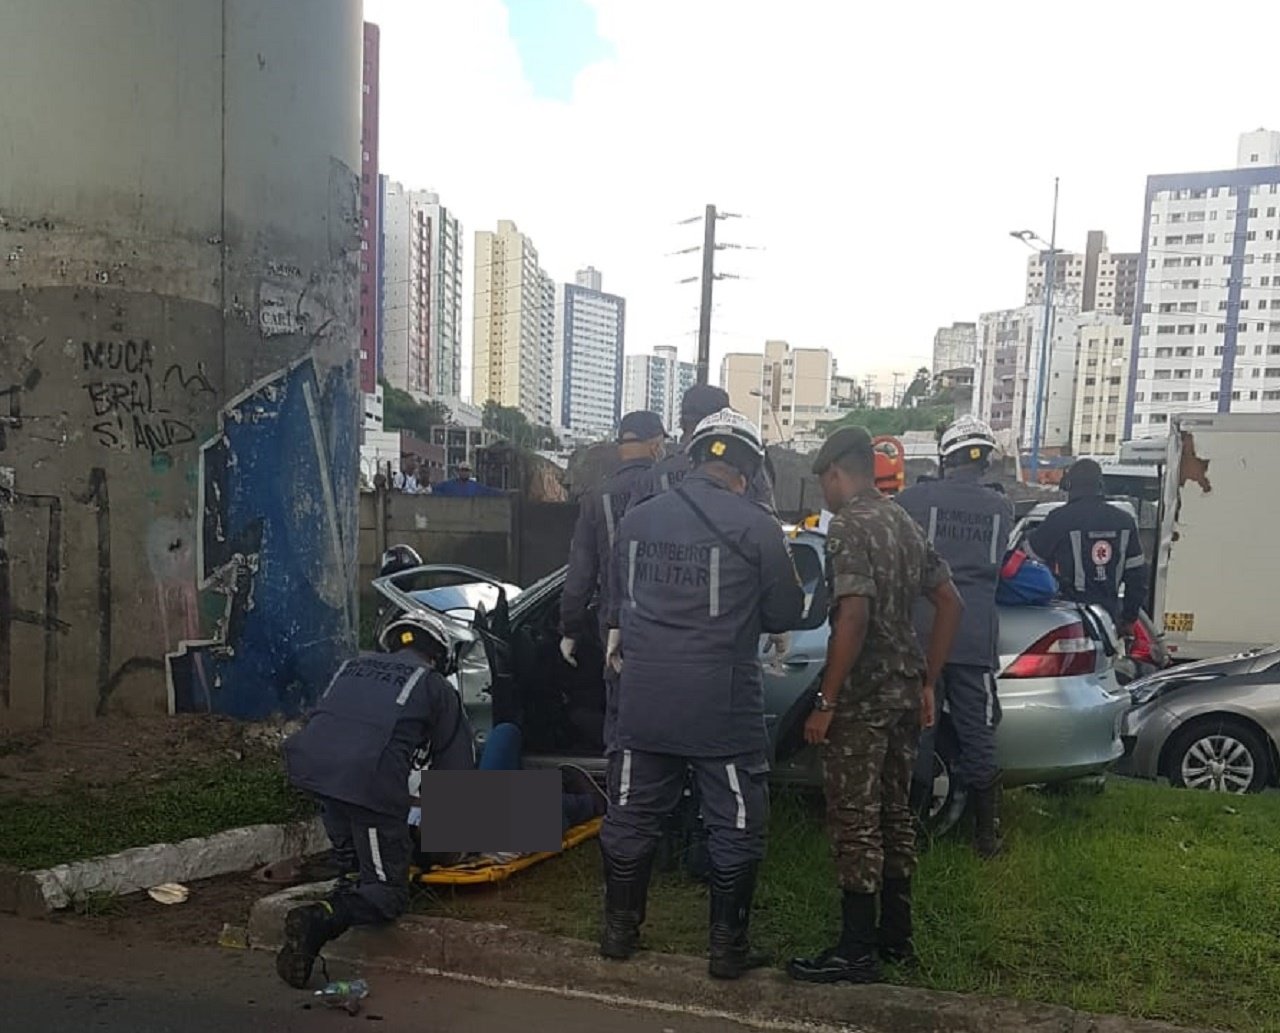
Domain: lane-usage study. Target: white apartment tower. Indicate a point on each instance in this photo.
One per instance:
(786, 390)
(955, 347)
(1208, 335)
(590, 327)
(421, 292)
(1099, 280)
(514, 324)
(1102, 377)
(657, 383)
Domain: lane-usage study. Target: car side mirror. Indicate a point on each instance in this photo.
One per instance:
(813, 581)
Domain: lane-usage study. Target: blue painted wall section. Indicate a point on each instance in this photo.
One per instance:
(277, 543)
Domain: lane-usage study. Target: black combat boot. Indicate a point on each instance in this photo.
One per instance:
(626, 892)
(306, 930)
(731, 894)
(986, 809)
(853, 959)
(896, 946)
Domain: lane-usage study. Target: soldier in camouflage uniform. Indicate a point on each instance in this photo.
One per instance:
(876, 693)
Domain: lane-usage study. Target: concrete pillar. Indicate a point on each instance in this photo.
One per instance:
(179, 264)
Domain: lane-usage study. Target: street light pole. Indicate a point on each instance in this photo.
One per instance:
(1050, 278)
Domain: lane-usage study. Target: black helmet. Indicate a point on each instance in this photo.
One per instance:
(398, 558)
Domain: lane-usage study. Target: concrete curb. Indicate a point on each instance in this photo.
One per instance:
(36, 893)
(502, 956)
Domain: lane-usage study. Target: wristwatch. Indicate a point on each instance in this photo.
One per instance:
(821, 705)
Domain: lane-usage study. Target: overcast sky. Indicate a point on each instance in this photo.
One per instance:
(881, 152)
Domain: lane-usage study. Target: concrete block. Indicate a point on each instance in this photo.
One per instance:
(130, 871)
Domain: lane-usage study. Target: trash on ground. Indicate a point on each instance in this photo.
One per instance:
(344, 993)
(234, 936)
(169, 893)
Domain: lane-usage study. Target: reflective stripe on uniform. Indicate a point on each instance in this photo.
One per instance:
(624, 783)
(714, 607)
(732, 771)
(632, 552)
(988, 683)
(933, 523)
(334, 680)
(375, 853)
(996, 546)
(414, 678)
(1135, 561)
(606, 500)
(1077, 554)
(1120, 564)
(665, 481)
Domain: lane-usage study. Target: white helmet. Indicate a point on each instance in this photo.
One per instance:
(728, 436)
(966, 432)
(423, 631)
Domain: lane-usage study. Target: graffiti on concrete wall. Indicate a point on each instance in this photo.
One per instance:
(273, 541)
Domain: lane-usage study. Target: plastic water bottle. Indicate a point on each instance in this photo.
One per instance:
(344, 993)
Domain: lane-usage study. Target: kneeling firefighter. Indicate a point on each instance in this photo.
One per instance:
(354, 755)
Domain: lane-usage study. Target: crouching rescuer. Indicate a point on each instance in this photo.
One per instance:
(354, 755)
(700, 573)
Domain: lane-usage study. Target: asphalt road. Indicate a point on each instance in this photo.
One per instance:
(61, 979)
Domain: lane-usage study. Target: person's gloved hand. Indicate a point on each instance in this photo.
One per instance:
(613, 650)
(778, 646)
(567, 648)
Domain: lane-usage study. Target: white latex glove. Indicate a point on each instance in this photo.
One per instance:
(778, 645)
(567, 648)
(613, 651)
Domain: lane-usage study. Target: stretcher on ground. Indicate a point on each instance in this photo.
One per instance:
(484, 870)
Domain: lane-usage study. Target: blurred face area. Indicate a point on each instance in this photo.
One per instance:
(464, 473)
(838, 487)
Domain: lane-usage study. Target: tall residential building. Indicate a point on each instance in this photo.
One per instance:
(590, 327)
(1007, 375)
(370, 229)
(1099, 280)
(955, 347)
(514, 329)
(444, 310)
(786, 390)
(657, 383)
(421, 293)
(1102, 376)
(1208, 336)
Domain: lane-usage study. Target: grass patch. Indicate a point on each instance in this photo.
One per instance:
(80, 821)
(1141, 901)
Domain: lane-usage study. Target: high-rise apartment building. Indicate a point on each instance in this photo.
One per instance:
(370, 229)
(1099, 280)
(785, 390)
(955, 347)
(514, 324)
(444, 312)
(1208, 335)
(1102, 375)
(590, 327)
(657, 383)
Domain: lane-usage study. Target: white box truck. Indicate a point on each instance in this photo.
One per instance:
(1217, 569)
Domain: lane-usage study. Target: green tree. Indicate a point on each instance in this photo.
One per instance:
(514, 425)
(892, 421)
(401, 411)
(919, 389)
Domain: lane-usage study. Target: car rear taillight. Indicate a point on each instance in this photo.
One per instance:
(1064, 652)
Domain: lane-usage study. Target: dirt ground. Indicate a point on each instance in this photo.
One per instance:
(115, 750)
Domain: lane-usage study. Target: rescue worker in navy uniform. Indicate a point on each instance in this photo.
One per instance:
(697, 403)
(1093, 548)
(354, 755)
(701, 573)
(968, 525)
(640, 442)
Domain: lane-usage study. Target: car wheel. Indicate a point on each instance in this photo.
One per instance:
(1222, 755)
(946, 803)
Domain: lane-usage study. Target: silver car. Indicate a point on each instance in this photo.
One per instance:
(1210, 725)
(1058, 692)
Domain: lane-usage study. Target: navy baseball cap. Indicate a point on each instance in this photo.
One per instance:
(641, 425)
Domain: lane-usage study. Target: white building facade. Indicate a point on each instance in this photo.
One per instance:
(1208, 336)
(785, 390)
(656, 383)
(587, 375)
(1101, 386)
(955, 347)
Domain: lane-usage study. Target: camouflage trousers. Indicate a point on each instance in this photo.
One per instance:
(867, 766)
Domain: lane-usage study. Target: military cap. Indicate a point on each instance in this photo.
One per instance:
(842, 443)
